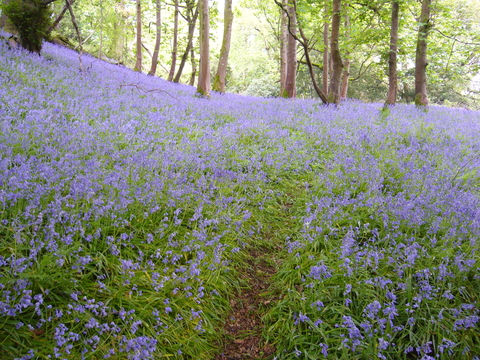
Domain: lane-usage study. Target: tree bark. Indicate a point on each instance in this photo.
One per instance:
(325, 53)
(421, 98)
(283, 47)
(346, 62)
(153, 68)
(194, 67)
(334, 89)
(291, 77)
(392, 57)
(175, 43)
(345, 79)
(118, 43)
(220, 77)
(192, 21)
(138, 64)
(203, 85)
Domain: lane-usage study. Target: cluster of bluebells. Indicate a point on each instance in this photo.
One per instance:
(124, 200)
(389, 239)
(120, 213)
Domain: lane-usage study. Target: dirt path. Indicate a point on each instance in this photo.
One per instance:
(244, 326)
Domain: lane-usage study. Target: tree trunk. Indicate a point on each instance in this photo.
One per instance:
(345, 78)
(59, 17)
(153, 68)
(219, 79)
(203, 85)
(283, 47)
(100, 48)
(175, 43)
(325, 53)
(392, 57)
(118, 42)
(192, 21)
(77, 30)
(304, 43)
(194, 67)
(346, 62)
(334, 90)
(138, 64)
(421, 98)
(290, 83)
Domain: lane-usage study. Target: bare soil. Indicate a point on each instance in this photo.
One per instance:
(244, 326)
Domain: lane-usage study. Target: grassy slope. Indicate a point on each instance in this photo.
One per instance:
(127, 203)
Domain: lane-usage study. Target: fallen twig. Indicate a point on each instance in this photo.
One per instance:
(148, 90)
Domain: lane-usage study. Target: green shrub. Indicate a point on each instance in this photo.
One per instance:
(31, 18)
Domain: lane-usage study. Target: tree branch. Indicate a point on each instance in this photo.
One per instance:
(455, 39)
(75, 25)
(139, 88)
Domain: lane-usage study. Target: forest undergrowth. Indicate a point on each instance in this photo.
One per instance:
(138, 221)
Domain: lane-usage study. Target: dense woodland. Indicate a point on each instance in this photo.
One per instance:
(374, 50)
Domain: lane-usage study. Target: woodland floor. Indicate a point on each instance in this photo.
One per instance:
(244, 325)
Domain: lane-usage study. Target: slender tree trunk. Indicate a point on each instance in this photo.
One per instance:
(194, 67)
(118, 44)
(192, 21)
(421, 98)
(100, 49)
(203, 85)
(220, 77)
(290, 84)
(334, 90)
(68, 3)
(325, 52)
(283, 47)
(345, 79)
(346, 62)
(304, 43)
(153, 68)
(175, 43)
(138, 64)
(392, 57)
(58, 18)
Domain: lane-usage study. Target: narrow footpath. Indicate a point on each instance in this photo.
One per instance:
(244, 326)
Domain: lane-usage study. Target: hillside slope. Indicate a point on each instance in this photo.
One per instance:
(128, 207)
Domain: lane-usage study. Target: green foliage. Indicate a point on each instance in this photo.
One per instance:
(31, 18)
